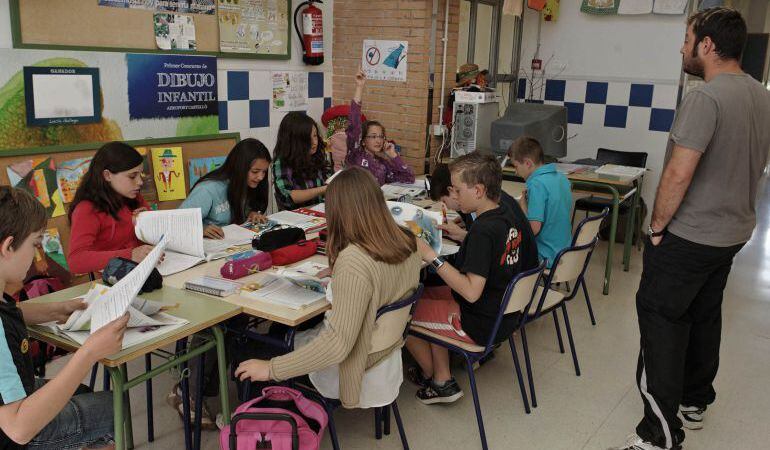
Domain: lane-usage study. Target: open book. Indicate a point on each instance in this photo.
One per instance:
(398, 190)
(186, 245)
(423, 223)
(290, 290)
(303, 221)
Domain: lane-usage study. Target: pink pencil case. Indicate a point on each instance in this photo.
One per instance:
(246, 263)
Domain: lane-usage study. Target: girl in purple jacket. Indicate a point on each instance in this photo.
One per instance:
(369, 149)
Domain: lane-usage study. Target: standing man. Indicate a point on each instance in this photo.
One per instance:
(704, 213)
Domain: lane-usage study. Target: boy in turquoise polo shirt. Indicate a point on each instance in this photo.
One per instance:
(547, 201)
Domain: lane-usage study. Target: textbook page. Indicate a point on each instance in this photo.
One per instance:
(235, 236)
(174, 262)
(137, 335)
(114, 304)
(182, 227)
(285, 292)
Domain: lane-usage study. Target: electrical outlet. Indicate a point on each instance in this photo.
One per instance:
(438, 129)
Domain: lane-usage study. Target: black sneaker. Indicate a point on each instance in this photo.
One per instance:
(414, 374)
(450, 392)
(691, 417)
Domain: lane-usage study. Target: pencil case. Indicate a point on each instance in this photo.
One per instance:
(246, 263)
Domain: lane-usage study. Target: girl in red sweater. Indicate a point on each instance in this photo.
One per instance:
(101, 215)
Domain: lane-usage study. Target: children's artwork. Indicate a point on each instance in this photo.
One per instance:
(68, 176)
(423, 223)
(633, 7)
(603, 7)
(551, 11)
(168, 171)
(290, 91)
(174, 32)
(38, 176)
(385, 60)
(670, 6)
(53, 248)
(201, 166)
(149, 192)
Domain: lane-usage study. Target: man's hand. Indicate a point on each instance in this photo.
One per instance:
(454, 231)
(655, 240)
(62, 310)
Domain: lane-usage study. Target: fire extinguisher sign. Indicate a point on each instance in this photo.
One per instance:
(385, 60)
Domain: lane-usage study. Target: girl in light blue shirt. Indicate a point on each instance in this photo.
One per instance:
(236, 192)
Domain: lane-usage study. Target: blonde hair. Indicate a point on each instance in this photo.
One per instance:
(356, 213)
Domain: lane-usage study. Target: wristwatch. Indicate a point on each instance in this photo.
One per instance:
(652, 233)
(437, 262)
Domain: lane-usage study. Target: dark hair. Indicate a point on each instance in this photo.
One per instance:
(724, 26)
(235, 171)
(115, 157)
(365, 129)
(356, 213)
(480, 168)
(20, 215)
(526, 147)
(440, 180)
(293, 146)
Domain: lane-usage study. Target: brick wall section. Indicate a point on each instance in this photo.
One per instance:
(401, 107)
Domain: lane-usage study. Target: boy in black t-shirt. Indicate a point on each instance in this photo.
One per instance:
(44, 414)
(494, 250)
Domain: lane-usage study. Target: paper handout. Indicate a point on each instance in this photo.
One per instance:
(423, 223)
(116, 301)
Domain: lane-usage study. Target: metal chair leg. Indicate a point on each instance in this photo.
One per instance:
(150, 415)
(528, 364)
(400, 425)
(517, 366)
(378, 423)
(569, 336)
(558, 331)
(92, 382)
(386, 420)
(588, 303)
(199, 402)
(476, 404)
(332, 428)
(106, 381)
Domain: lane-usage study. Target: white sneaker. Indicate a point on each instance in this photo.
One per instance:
(691, 417)
(634, 442)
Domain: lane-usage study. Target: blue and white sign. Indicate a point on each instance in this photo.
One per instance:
(171, 86)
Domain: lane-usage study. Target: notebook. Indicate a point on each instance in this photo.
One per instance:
(213, 286)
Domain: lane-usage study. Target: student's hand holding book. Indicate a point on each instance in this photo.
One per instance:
(213, 232)
(425, 250)
(139, 253)
(253, 369)
(107, 341)
(62, 311)
(257, 217)
(454, 231)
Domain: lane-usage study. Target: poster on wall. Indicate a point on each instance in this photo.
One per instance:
(290, 91)
(68, 176)
(171, 86)
(62, 95)
(601, 7)
(174, 32)
(202, 166)
(149, 191)
(254, 26)
(38, 177)
(182, 6)
(52, 247)
(168, 173)
(385, 60)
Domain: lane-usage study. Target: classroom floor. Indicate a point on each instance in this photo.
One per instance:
(594, 411)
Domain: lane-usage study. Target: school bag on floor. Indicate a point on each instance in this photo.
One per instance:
(281, 419)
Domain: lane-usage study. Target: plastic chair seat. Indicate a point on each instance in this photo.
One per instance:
(468, 347)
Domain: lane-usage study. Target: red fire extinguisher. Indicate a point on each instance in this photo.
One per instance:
(312, 35)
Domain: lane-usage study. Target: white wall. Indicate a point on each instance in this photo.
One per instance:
(620, 50)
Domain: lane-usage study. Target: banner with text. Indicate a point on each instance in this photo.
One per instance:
(171, 86)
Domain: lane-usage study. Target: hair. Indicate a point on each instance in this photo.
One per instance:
(480, 168)
(440, 180)
(724, 26)
(526, 147)
(113, 156)
(235, 171)
(293, 146)
(365, 128)
(20, 215)
(356, 213)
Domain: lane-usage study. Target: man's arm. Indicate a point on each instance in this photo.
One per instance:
(676, 179)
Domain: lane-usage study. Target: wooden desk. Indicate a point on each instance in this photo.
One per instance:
(201, 312)
(252, 307)
(617, 190)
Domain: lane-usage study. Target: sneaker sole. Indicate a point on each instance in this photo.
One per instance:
(434, 400)
(689, 424)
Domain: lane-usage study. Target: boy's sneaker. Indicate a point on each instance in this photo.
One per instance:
(433, 393)
(174, 399)
(691, 417)
(414, 374)
(634, 442)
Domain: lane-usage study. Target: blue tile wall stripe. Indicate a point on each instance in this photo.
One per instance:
(222, 115)
(237, 85)
(315, 84)
(596, 92)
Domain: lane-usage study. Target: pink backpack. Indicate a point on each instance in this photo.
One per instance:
(281, 419)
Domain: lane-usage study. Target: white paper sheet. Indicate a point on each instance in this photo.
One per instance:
(280, 290)
(134, 336)
(669, 6)
(115, 303)
(182, 227)
(635, 7)
(174, 262)
(298, 220)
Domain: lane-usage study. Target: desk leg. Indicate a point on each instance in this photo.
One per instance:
(630, 229)
(219, 336)
(127, 408)
(611, 243)
(118, 380)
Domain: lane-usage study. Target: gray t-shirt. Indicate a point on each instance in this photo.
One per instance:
(728, 119)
